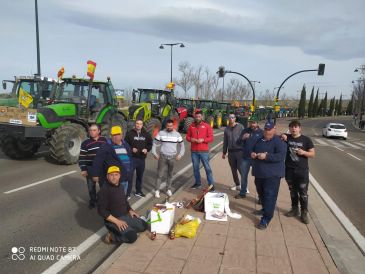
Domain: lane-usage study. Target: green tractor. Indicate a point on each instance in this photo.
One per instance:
(63, 124)
(154, 107)
(226, 109)
(211, 112)
(186, 109)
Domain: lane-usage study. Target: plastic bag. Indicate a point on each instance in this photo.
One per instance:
(188, 229)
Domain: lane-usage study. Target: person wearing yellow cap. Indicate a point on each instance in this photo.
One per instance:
(115, 152)
(122, 222)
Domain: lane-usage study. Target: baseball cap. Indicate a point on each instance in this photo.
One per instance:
(116, 130)
(269, 125)
(113, 169)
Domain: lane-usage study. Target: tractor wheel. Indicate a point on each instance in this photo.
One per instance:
(225, 120)
(66, 142)
(210, 121)
(116, 120)
(153, 126)
(17, 148)
(218, 122)
(187, 122)
(175, 117)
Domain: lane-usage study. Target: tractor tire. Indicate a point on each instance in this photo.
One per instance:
(210, 121)
(116, 120)
(175, 117)
(66, 142)
(218, 121)
(17, 148)
(225, 120)
(153, 126)
(187, 122)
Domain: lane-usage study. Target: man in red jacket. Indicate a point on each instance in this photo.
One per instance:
(200, 134)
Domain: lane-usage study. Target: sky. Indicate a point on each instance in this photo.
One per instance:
(264, 40)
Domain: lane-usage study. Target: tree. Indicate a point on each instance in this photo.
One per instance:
(301, 108)
(336, 108)
(310, 105)
(267, 98)
(324, 104)
(186, 80)
(315, 105)
(332, 107)
(339, 107)
(349, 108)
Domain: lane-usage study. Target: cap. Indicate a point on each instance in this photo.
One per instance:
(252, 119)
(116, 130)
(269, 125)
(113, 169)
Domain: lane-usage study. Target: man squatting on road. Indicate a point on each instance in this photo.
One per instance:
(300, 148)
(169, 138)
(122, 222)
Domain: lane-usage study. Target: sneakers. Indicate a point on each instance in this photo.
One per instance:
(169, 193)
(259, 212)
(195, 186)
(239, 196)
(212, 189)
(157, 194)
(92, 205)
(233, 188)
(262, 224)
(247, 191)
(128, 197)
(304, 217)
(108, 238)
(294, 212)
(139, 194)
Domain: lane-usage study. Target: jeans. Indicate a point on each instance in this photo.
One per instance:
(245, 168)
(138, 166)
(129, 235)
(125, 185)
(196, 157)
(91, 186)
(298, 181)
(268, 189)
(164, 163)
(235, 162)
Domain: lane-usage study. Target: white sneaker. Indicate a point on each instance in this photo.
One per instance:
(169, 193)
(247, 191)
(157, 194)
(233, 188)
(238, 187)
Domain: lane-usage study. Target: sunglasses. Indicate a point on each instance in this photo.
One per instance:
(231, 117)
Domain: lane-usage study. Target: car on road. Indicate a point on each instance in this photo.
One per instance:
(334, 130)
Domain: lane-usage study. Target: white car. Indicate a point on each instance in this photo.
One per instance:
(335, 130)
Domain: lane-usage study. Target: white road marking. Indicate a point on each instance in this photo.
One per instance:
(339, 149)
(336, 144)
(321, 142)
(354, 156)
(360, 144)
(217, 134)
(62, 264)
(350, 228)
(39, 182)
(351, 145)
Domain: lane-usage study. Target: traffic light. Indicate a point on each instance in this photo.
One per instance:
(170, 86)
(321, 69)
(221, 72)
(252, 108)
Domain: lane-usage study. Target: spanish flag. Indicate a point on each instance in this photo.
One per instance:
(91, 69)
(60, 73)
(25, 99)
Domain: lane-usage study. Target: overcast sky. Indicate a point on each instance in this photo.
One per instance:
(265, 40)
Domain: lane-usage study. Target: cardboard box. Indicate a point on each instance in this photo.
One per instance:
(18, 116)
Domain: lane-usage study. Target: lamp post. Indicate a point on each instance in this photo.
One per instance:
(37, 39)
(171, 46)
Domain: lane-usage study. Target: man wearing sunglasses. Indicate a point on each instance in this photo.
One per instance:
(235, 151)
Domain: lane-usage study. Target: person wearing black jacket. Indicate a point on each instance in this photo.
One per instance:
(122, 222)
(141, 142)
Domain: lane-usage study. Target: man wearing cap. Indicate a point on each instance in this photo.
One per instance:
(200, 134)
(246, 140)
(122, 222)
(235, 151)
(141, 142)
(116, 152)
(88, 150)
(268, 167)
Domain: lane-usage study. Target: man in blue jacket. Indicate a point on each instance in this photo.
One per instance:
(268, 167)
(115, 153)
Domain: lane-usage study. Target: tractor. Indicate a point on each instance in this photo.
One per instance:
(154, 107)
(226, 109)
(211, 112)
(63, 124)
(186, 109)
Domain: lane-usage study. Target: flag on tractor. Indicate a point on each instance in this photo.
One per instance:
(60, 73)
(170, 86)
(91, 69)
(25, 99)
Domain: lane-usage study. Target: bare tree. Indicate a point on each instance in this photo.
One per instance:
(197, 81)
(267, 97)
(186, 80)
(210, 85)
(236, 90)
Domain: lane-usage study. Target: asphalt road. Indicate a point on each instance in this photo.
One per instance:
(55, 212)
(339, 167)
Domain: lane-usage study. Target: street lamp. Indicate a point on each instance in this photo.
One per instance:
(253, 82)
(171, 46)
(37, 39)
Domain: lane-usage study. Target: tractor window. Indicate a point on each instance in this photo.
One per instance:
(29, 87)
(72, 92)
(97, 97)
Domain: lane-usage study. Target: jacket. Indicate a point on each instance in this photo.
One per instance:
(231, 135)
(274, 164)
(169, 142)
(204, 131)
(140, 141)
(249, 143)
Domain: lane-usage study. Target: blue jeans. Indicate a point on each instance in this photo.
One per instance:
(268, 189)
(196, 157)
(245, 168)
(124, 184)
(92, 190)
(139, 167)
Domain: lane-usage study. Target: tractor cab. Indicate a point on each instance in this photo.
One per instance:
(36, 90)
(188, 104)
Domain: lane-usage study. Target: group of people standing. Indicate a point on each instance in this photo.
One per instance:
(271, 157)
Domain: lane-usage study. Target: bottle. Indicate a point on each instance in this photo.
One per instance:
(172, 234)
(153, 235)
